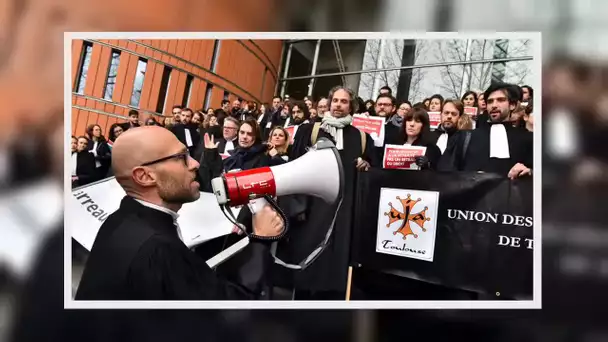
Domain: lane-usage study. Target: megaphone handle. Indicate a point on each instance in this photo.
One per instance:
(257, 204)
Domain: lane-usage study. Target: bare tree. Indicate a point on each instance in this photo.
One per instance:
(392, 58)
(453, 50)
(480, 75)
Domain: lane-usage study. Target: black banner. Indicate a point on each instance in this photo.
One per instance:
(482, 226)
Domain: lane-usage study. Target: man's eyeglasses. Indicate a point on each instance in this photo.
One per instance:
(181, 155)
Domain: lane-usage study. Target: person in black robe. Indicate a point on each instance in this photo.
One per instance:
(138, 253)
(282, 117)
(226, 144)
(482, 117)
(326, 277)
(445, 134)
(448, 137)
(101, 151)
(82, 163)
(187, 132)
(498, 146)
(265, 120)
(385, 106)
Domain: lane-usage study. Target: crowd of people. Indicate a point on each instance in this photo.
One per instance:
(496, 138)
(405, 124)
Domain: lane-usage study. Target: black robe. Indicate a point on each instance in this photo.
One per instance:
(266, 118)
(179, 131)
(220, 114)
(477, 156)
(85, 169)
(452, 158)
(137, 255)
(200, 149)
(126, 125)
(278, 120)
(434, 136)
(104, 157)
(483, 119)
(391, 137)
(329, 271)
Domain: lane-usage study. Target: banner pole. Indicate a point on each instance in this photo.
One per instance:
(349, 282)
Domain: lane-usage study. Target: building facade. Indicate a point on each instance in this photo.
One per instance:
(112, 77)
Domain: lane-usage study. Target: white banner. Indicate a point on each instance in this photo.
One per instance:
(90, 205)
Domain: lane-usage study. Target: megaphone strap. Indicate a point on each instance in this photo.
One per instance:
(302, 265)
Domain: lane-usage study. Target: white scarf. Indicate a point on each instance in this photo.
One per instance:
(442, 142)
(499, 142)
(333, 126)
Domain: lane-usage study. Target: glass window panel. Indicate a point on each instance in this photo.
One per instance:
(84, 68)
(138, 84)
(111, 80)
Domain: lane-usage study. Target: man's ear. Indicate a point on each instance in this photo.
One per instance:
(143, 177)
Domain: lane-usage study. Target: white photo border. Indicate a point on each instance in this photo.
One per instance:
(535, 303)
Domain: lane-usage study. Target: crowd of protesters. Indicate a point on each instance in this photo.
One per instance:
(265, 124)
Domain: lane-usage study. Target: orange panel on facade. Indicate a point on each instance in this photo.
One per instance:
(93, 66)
(102, 70)
(155, 91)
(77, 46)
(147, 87)
(238, 71)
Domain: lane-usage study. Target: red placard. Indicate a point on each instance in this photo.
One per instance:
(292, 133)
(373, 125)
(435, 119)
(369, 124)
(472, 111)
(402, 156)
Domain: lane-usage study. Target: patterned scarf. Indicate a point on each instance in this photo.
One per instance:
(331, 125)
(396, 120)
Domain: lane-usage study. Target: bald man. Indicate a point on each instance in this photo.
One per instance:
(138, 253)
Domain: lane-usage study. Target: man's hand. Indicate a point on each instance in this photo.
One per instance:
(362, 165)
(519, 170)
(267, 222)
(210, 142)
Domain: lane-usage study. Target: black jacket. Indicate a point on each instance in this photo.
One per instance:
(85, 169)
(137, 255)
(126, 125)
(104, 156)
(180, 132)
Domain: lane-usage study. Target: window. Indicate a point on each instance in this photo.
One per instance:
(138, 84)
(216, 53)
(226, 95)
(111, 80)
(208, 96)
(187, 91)
(85, 61)
(164, 89)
